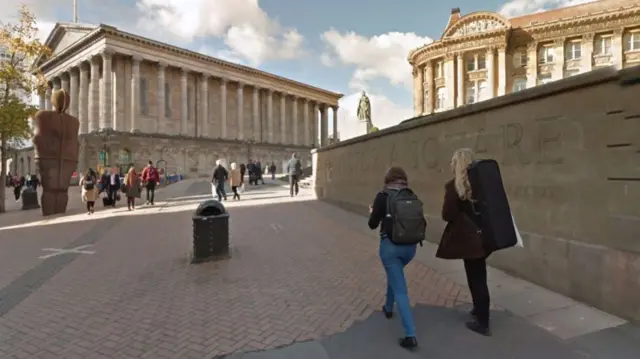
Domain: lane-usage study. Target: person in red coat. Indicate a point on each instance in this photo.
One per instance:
(150, 179)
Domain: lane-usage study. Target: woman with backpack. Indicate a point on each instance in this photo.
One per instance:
(462, 238)
(396, 252)
(89, 190)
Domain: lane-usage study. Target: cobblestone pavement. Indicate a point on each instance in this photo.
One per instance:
(296, 273)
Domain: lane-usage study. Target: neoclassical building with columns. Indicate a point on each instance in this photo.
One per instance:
(140, 100)
(483, 54)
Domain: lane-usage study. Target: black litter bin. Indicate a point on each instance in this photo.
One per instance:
(29, 199)
(210, 231)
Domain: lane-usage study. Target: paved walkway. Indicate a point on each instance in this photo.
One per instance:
(118, 284)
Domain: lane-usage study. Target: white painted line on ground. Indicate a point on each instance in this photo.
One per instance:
(276, 227)
(59, 251)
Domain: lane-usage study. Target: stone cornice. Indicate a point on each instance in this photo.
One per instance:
(497, 39)
(103, 32)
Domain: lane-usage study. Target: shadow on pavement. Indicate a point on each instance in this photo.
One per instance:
(441, 334)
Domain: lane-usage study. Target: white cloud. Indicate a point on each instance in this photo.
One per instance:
(521, 7)
(384, 113)
(246, 29)
(381, 56)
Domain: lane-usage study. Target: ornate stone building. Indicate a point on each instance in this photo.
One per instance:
(140, 100)
(483, 54)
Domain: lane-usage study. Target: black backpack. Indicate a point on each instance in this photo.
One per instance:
(408, 225)
(88, 183)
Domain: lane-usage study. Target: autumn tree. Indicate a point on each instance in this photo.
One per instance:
(19, 48)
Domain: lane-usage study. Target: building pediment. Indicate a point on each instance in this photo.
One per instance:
(64, 35)
(475, 24)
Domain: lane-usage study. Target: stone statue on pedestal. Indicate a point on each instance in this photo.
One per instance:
(364, 112)
(56, 145)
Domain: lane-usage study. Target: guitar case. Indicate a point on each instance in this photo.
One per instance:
(491, 205)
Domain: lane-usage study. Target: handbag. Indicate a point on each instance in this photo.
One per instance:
(461, 239)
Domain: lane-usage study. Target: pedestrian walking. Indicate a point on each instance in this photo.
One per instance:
(218, 179)
(89, 185)
(235, 181)
(150, 178)
(132, 188)
(399, 214)
(294, 170)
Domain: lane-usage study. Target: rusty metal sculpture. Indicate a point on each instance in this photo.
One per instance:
(56, 147)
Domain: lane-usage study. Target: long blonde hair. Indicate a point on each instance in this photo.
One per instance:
(460, 161)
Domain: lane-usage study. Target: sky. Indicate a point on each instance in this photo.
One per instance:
(342, 46)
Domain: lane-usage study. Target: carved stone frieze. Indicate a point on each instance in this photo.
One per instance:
(584, 27)
(632, 56)
(476, 27)
(602, 60)
(546, 68)
(476, 75)
(572, 64)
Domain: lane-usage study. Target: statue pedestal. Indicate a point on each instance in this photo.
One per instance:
(365, 126)
(29, 199)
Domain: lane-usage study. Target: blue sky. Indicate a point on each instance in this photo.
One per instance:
(344, 46)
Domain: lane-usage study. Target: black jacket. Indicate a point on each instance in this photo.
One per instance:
(294, 168)
(220, 174)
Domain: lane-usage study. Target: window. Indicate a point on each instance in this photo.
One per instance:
(144, 91)
(520, 59)
(603, 45)
(425, 105)
(482, 90)
(544, 79)
(476, 62)
(189, 103)
(476, 92)
(482, 62)
(439, 70)
(519, 85)
(167, 100)
(471, 93)
(440, 98)
(573, 50)
(545, 55)
(471, 63)
(633, 41)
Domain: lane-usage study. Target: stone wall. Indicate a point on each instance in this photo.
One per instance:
(569, 153)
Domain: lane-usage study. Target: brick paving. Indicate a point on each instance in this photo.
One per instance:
(298, 271)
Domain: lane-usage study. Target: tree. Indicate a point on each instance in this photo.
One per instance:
(18, 81)
(373, 129)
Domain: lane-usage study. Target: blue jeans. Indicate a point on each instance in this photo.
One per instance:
(394, 258)
(220, 192)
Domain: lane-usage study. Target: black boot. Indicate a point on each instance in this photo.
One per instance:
(408, 343)
(387, 315)
(479, 328)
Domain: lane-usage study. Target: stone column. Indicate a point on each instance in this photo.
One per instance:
(617, 48)
(240, 111)
(532, 65)
(94, 96)
(587, 53)
(491, 72)
(83, 98)
(460, 93)
(294, 118)
(135, 93)
(73, 92)
(56, 83)
(256, 114)
(184, 102)
(64, 82)
(314, 125)
(204, 107)
(47, 97)
(270, 115)
(307, 127)
(335, 124)
(160, 95)
(283, 118)
(502, 70)
(558, 60)
(450, 81)
(106, 118)
(429, 106)
(418, 91)
(324, 126)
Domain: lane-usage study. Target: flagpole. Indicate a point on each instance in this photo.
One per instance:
(75, 11)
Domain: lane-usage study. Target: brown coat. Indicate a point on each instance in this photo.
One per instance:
(235, 179)
(461, 238)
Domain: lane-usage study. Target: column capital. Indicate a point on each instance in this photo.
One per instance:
(449, 56)
(532, 46)
(335, 108)
(137, 59)
(240, 85)
(83, 66)
(501, 48)
(619, 31)
(306, 101)
(106, 54)
(223, 81)
(269, 91)
(559, 42)
(588, 37)
(162, 65)
(256, 89)
(491, 49)
(184, 73)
